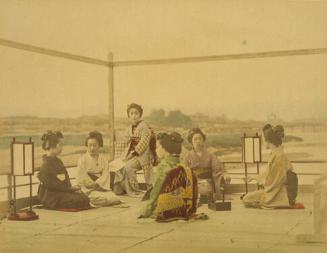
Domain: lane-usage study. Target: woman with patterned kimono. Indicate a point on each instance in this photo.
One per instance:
(274, 194)
(93, 173)
(55, 190)
(209, 170)
(174, 194)
(137, 155)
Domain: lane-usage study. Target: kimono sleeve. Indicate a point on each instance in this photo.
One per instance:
(217, 167)
(126, 135)
(83, 178)
(50, 180)
(143, 144)
(104, 180)
(276, 175)
(150, 204)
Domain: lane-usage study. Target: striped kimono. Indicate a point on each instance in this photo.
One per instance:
(138, 154)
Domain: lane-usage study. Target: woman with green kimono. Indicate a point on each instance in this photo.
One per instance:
(174, 193)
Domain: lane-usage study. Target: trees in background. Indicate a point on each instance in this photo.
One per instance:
(174, 118)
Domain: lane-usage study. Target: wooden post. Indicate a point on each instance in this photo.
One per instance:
(111, 111)
(10, 200)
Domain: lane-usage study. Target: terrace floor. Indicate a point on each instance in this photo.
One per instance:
(118, 230)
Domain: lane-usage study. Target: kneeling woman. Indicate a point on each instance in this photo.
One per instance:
(174, 193)
(93, 173)
(209, 170)
(55, 190)
(274, 194)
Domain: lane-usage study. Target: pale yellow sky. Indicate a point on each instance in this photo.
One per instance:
(291, 87)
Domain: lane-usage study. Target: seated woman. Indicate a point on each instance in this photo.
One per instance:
(137, 154)
(174, 193)
(274, 194)
(55, 190)
(93, 173)
(206, 166)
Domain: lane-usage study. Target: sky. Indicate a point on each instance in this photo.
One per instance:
(291, 87)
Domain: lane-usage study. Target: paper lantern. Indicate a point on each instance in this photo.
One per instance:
(251, 149)
(22, 158)
(22, 164)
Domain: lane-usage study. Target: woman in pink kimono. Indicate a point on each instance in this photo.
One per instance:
(93, 173)
(274, 194)
(137, 155)
(209, 170)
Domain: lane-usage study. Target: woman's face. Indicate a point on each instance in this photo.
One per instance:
(268, 145)
(93, 147)
(197, 141)
(58, 148)
(134, 115)
(161, 152)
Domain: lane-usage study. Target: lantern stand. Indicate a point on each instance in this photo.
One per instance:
(251, 153)
(22, 164)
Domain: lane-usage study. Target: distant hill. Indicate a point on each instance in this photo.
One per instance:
(158, 120)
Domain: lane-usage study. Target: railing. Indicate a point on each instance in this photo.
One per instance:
(140, 172)
(319, 213)
(120, 147)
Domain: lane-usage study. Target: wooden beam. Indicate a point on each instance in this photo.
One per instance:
(111, 111)
(208, 58)
(225, 57)
(51, 52)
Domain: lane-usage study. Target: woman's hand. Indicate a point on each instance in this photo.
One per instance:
(227, 179)
(76, 188)
(92, 185)
(249, 179)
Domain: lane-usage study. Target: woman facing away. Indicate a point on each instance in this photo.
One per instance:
(174, 193)
(209, 170)
(274, 194)
(55, 189)
(137, 155)
(93, 173)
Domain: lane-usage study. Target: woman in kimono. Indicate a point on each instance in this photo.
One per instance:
(93, 173)
(274, 194)
(209, 170)
(137, 155)
(174, 194)
(55, 190)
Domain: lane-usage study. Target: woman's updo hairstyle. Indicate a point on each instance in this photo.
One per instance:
(171, 142)
(50, 139)
(95, 135)
(193, 132)
(274, 135)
